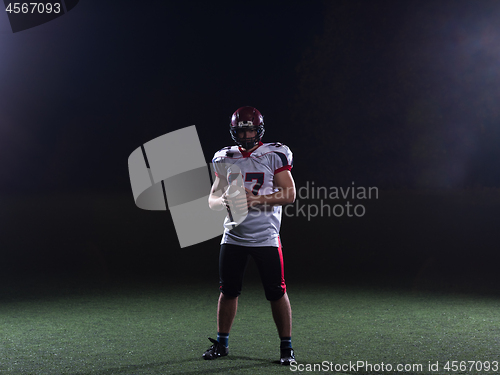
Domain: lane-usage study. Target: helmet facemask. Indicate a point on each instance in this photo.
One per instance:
(247, 118)
(243, 142)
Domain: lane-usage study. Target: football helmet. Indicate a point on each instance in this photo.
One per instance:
(247, 118)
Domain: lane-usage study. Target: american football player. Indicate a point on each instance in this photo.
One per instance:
(265, 171)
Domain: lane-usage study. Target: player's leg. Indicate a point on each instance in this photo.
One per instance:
(269, 261)
(232, 263)
(282, 314)
(226, 311)
(233, 260)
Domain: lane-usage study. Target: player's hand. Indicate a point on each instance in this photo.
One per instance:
(237, 203)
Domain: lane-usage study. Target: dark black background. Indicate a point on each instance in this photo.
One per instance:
(398, 95)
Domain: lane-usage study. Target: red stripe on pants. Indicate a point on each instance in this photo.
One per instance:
(283, 285)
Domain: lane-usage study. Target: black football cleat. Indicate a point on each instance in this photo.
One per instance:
(287, 356)
(216, 350)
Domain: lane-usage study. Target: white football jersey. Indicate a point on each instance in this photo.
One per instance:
(261, 227)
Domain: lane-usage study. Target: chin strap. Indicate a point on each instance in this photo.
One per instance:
(249, 144)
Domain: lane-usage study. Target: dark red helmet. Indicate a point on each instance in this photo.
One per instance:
(247, 118)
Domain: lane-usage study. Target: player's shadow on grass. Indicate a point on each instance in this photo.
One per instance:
(159, 367)
(261, 360)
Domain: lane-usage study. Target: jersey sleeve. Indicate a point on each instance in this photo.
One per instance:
(283, 158)
(218, 164)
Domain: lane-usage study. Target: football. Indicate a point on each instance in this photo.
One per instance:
(235, 217)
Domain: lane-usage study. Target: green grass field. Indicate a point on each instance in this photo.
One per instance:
(142, 329)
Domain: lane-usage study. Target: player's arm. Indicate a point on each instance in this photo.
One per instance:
(215, 199)
(218, 199)
(286, 193)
